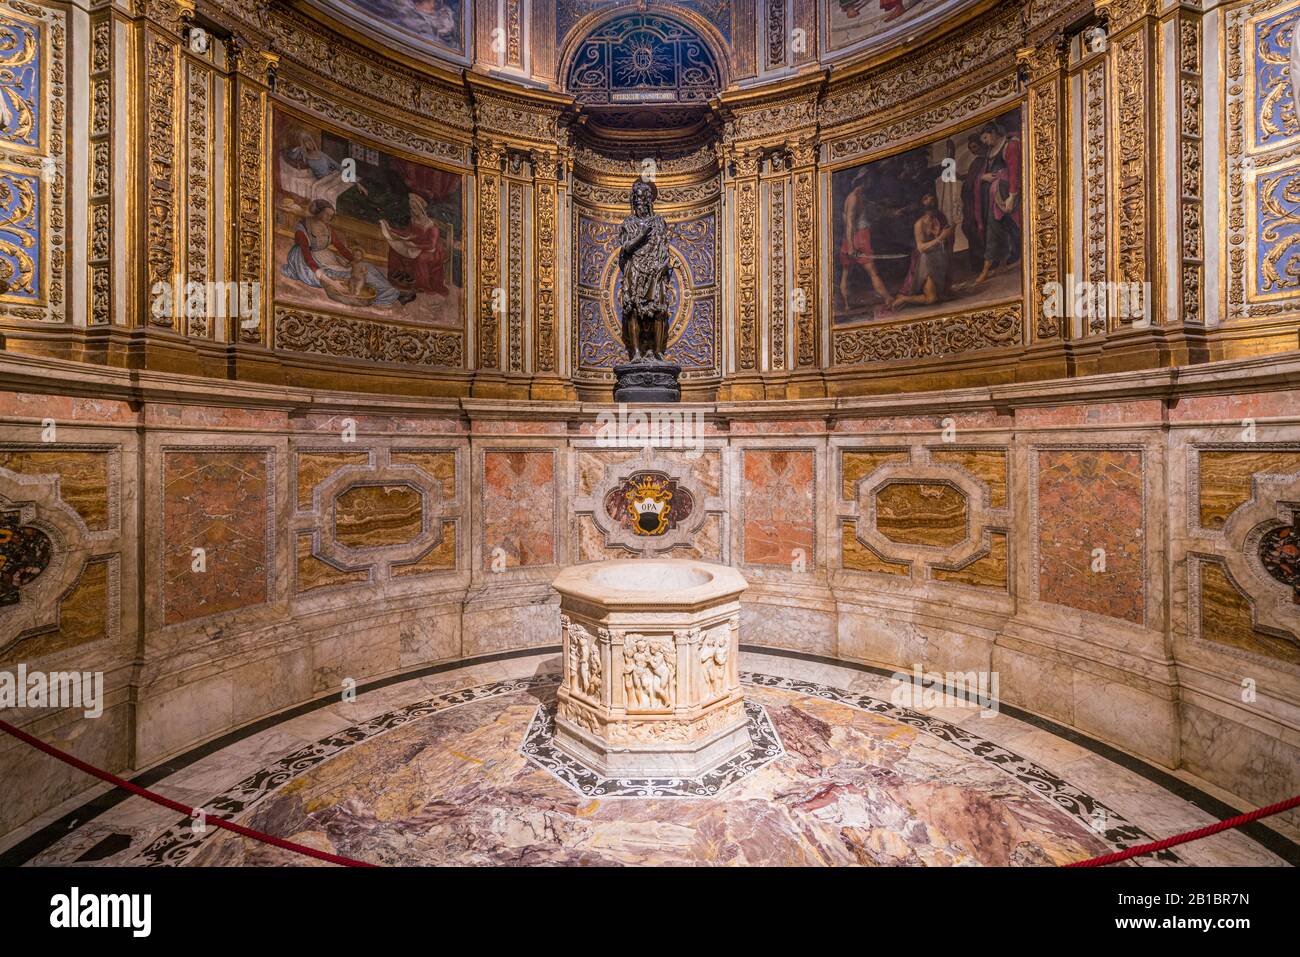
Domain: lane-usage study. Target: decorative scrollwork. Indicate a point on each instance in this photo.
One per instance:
(299, 331)
(945, 336)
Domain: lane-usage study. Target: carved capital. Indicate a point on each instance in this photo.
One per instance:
(1043, 59)
(746, 163)
(1120, 14)
(253, 62)
(491, 154)
(546, 167)
(803, 153)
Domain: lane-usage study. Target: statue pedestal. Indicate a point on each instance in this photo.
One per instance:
(649, 380)
(650, 686)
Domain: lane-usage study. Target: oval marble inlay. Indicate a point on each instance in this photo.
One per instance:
(25, 552)
(1279, 551)
(372, 516)
(921, 513)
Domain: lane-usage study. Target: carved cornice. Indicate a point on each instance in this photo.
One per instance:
(305, 97)
(1121, 14)
(301, 330)
(999, 90)
(703, 159)
(514, 114)
(1044, 59)
(320, 53)
(960, 58)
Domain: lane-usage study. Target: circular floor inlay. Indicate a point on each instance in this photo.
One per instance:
(842, 778)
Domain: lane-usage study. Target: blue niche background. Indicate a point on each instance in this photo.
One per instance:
(643, 59)
(691, 339)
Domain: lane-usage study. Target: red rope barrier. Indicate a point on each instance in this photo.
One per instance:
(113, 779)
(185, 809)
(1188, 836)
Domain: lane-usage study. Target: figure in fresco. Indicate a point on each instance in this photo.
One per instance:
(321, 258)
(928, 280)
(974, 201)
(417, 254)
(856, 252)
(1002, 222)
(339, 200)
(645, 266)
(310, 173)
(933, 225)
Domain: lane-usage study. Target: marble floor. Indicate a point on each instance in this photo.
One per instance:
(434, 770)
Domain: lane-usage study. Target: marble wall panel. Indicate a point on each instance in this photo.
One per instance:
(858, 557)
(85, 479)
(1226, 617)
(987, 465)
(1089, 500)
(222, 501)
(316, 466)
(857, 464)
(778, 495)
(372, 516)
(519, 508)
(1226, 477)
(440, 557)
(988, 571)
(313, 573)
(932, 514)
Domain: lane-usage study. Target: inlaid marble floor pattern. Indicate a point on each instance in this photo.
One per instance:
(430, 771)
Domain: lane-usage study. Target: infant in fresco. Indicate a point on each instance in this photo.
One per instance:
(357, 279)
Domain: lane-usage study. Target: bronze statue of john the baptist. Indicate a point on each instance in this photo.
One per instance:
(646, 268)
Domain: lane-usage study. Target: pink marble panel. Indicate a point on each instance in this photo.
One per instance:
(1145, 411)
(219, 501)
(987, 419)
(63, 408)
(519, 507)
(1091, 499)
(1234, 408)
(778, 502)
(163, 416)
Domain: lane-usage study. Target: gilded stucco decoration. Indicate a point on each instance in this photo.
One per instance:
(33, 98)
(1262, 139)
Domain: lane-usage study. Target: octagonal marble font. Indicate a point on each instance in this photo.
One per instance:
(650, 685)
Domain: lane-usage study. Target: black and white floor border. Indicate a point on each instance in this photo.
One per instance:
(178, 843)
(538, 747)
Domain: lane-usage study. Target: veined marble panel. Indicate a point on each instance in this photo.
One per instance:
(519, 503)
(922, 513)
(1226, 478)
(372, 516)
(220, 501)
(779, 502)
(1091, 530)
(84, 479)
